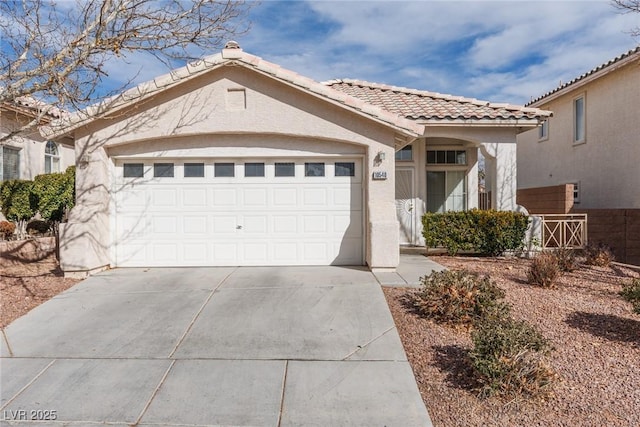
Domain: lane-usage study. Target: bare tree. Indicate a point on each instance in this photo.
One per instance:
(628, 6)
(55, 55)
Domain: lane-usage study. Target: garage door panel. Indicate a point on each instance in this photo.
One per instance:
(194, 197)
(255, 224)
(285, 224)
(225, 224)
(224, 197)
(164, 224)
(240, 221)
(286, 197)
(194, 224)
(314, 224)
(255, 197)
(164, 197)
(195, 253)
(225, 253)
(315, 196)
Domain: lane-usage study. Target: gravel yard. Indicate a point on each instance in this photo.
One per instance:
(25, 285)
(596, 340)
(595, 334)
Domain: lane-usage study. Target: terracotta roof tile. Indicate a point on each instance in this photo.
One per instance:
(423, 105)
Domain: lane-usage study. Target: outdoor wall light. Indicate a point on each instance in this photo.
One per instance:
(382, 155)
(83, 161)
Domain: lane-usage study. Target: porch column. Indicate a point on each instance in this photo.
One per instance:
(502, 168)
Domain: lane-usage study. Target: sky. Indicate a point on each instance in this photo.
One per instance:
(499, 51)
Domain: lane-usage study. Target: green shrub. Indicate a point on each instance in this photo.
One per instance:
(488, 232)
(458, 297)
(16, 199)
(38, 227)
(566, 259)
(599, 254)
(631, 292)
(7, 229)
(507, 357)
(544, 270)
(54, 194)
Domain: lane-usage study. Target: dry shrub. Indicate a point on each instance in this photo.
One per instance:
(566, 259)
(544, 270)
(457, 297)
(599, 255)
(508, 359)
(7, 229)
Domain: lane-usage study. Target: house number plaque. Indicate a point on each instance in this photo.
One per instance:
(379, 175)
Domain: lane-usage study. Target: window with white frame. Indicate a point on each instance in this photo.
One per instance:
(543, 130)
(579, 119)
(405, 154)
(9, 163)
(576, 192)
(51, 158)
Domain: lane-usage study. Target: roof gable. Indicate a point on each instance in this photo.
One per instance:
(233, 57)
(595, 73)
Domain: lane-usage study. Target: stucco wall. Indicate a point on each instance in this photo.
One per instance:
(606, 165)
(204, 117)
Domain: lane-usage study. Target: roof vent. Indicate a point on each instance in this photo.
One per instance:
(232, 44)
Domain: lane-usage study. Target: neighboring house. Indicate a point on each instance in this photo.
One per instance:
(237, 161)
(25, 156)
(585, 157)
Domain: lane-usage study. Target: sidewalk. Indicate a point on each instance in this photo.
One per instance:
(412, 267)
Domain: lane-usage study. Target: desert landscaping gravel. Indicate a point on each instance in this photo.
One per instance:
(594, 332)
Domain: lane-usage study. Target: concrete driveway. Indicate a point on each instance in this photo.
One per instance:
(264, 346)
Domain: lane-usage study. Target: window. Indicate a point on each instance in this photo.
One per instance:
(405, 154)
(543, 130)
(578, 120)
(576, 192)
(194, 170)
(254, 169)
(163, 170)
(285, 169)
(446, 191)
(446, 157)
(345, 169)
(51, 158)
(9, 163)
(223, 170)
(314, 169)
(133, 170)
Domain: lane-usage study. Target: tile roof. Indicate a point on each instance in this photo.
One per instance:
(31, 103)
(400, 108)
(423, 105)
(628, 56)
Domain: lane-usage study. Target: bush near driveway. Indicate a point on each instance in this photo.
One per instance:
(508, 359)
(457, 297)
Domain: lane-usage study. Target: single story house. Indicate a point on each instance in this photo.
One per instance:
(234, 160)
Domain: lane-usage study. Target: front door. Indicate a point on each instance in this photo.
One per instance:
(405, 205)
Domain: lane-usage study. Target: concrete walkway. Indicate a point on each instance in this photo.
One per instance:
(282, 346)
(411, 269)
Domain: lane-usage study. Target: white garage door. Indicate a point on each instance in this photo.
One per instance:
(218, 212)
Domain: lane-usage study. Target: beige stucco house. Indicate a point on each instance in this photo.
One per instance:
(236, 161)
(25, 156)
(593, 138)
(584, 159)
